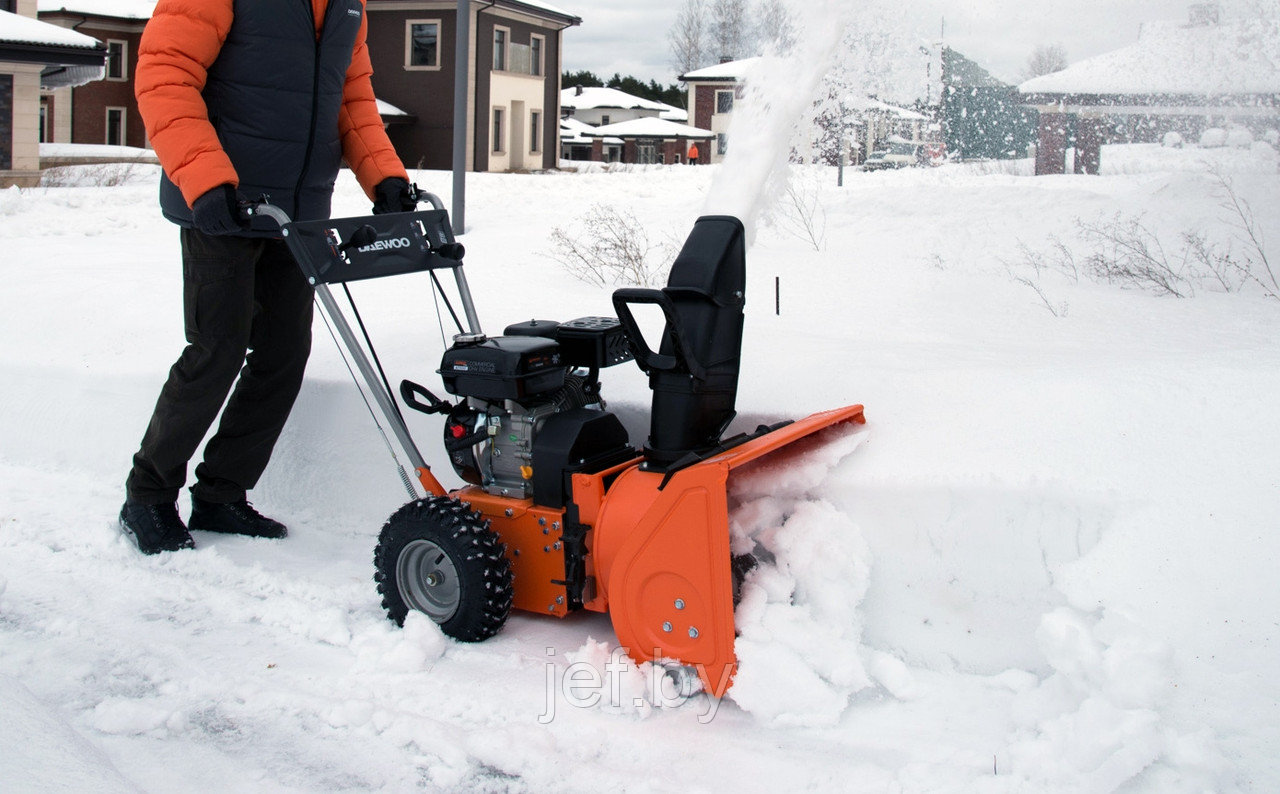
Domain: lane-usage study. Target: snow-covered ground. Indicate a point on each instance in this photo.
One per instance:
(1047, 564)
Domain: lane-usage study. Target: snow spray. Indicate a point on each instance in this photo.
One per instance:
(778, 93)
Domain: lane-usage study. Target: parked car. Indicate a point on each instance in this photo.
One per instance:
(900, 153)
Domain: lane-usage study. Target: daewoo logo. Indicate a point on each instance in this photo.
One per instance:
(386, 245)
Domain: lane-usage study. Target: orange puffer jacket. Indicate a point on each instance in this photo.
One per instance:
(179, 54)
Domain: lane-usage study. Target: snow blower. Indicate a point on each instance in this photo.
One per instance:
(560, 512)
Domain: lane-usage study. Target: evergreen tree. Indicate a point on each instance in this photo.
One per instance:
(583, 78)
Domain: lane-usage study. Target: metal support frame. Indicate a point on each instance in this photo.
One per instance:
(351, 342)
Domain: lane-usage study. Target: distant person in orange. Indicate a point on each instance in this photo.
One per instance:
(693, 153)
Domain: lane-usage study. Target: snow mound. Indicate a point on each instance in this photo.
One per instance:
(1100, 718)
(44, 753)
(799, 632)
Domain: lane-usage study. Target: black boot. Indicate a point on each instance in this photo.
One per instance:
(233, 518)
(155, 528)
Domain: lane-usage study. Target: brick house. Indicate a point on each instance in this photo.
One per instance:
(513, 79)
(35, 56)
(712, 94)
(103, 111)
(1179, 77)
(609, 125)
(513, 120)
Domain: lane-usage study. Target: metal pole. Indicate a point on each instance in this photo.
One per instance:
(461, 53)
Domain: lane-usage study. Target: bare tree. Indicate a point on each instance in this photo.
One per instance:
(1045, 59)
(774, 28)
(688, 37)
(729, 29)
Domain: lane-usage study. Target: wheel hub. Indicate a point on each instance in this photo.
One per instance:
(428, 580)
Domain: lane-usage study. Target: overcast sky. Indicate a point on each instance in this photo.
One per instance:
(627, 37)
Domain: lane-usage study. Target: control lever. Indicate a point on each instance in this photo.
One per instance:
(365, 235)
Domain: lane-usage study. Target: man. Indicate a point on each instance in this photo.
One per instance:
(693, 153)
(243, 98)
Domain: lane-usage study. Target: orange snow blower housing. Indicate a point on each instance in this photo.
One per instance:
(560, 512)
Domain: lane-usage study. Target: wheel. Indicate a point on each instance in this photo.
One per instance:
(440, 558)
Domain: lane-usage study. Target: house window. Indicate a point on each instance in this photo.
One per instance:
(115, 126)
(604, 119)
(422, 44)
(538, 45)
(722, 143)
(724, 101)
(500, 38)
(535, 131)
(117, 60)
(498, 148)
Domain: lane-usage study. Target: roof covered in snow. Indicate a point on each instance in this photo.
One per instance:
(732, 70)
(574, 131)
(592, 97)
(649, 128)
(123, 9)
(16, 29)
(873, 105)
(387, 109)
(1231, 58)
(546, 8)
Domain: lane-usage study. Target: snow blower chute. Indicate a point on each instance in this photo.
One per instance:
(560, 512)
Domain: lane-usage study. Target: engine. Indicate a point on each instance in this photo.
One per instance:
(532, 414)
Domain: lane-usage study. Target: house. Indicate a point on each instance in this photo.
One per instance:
(34, 57)
(649, 141)
(104, 111)
(877, 123)
(599, 106)
(575, 144)
(712, 94)
(610, 126)
(1176, 76)
(513, 78)
(863, 125)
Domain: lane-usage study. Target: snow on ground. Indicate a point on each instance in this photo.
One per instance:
(1046, 564)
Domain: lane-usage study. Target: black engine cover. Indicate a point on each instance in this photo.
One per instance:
(503, 368)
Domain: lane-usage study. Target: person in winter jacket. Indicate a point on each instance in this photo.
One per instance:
(243, 98)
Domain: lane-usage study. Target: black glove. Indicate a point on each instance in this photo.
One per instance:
(393, 194)
(218, 212)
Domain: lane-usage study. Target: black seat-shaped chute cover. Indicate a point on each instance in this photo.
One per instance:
(694, 376)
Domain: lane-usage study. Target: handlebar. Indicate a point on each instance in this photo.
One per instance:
(262, 206)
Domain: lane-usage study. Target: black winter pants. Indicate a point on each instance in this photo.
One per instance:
(247, 310)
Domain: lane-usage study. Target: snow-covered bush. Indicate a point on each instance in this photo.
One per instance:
(1213, 138)
(1239, 138)
(1171, 140)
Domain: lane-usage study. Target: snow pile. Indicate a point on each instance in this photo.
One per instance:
(602, 676)
(799, 659)
(1100, 717)
(37, 745)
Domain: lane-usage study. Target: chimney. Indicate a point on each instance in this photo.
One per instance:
(725, 59)
(1205, 15)
(577, 90)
